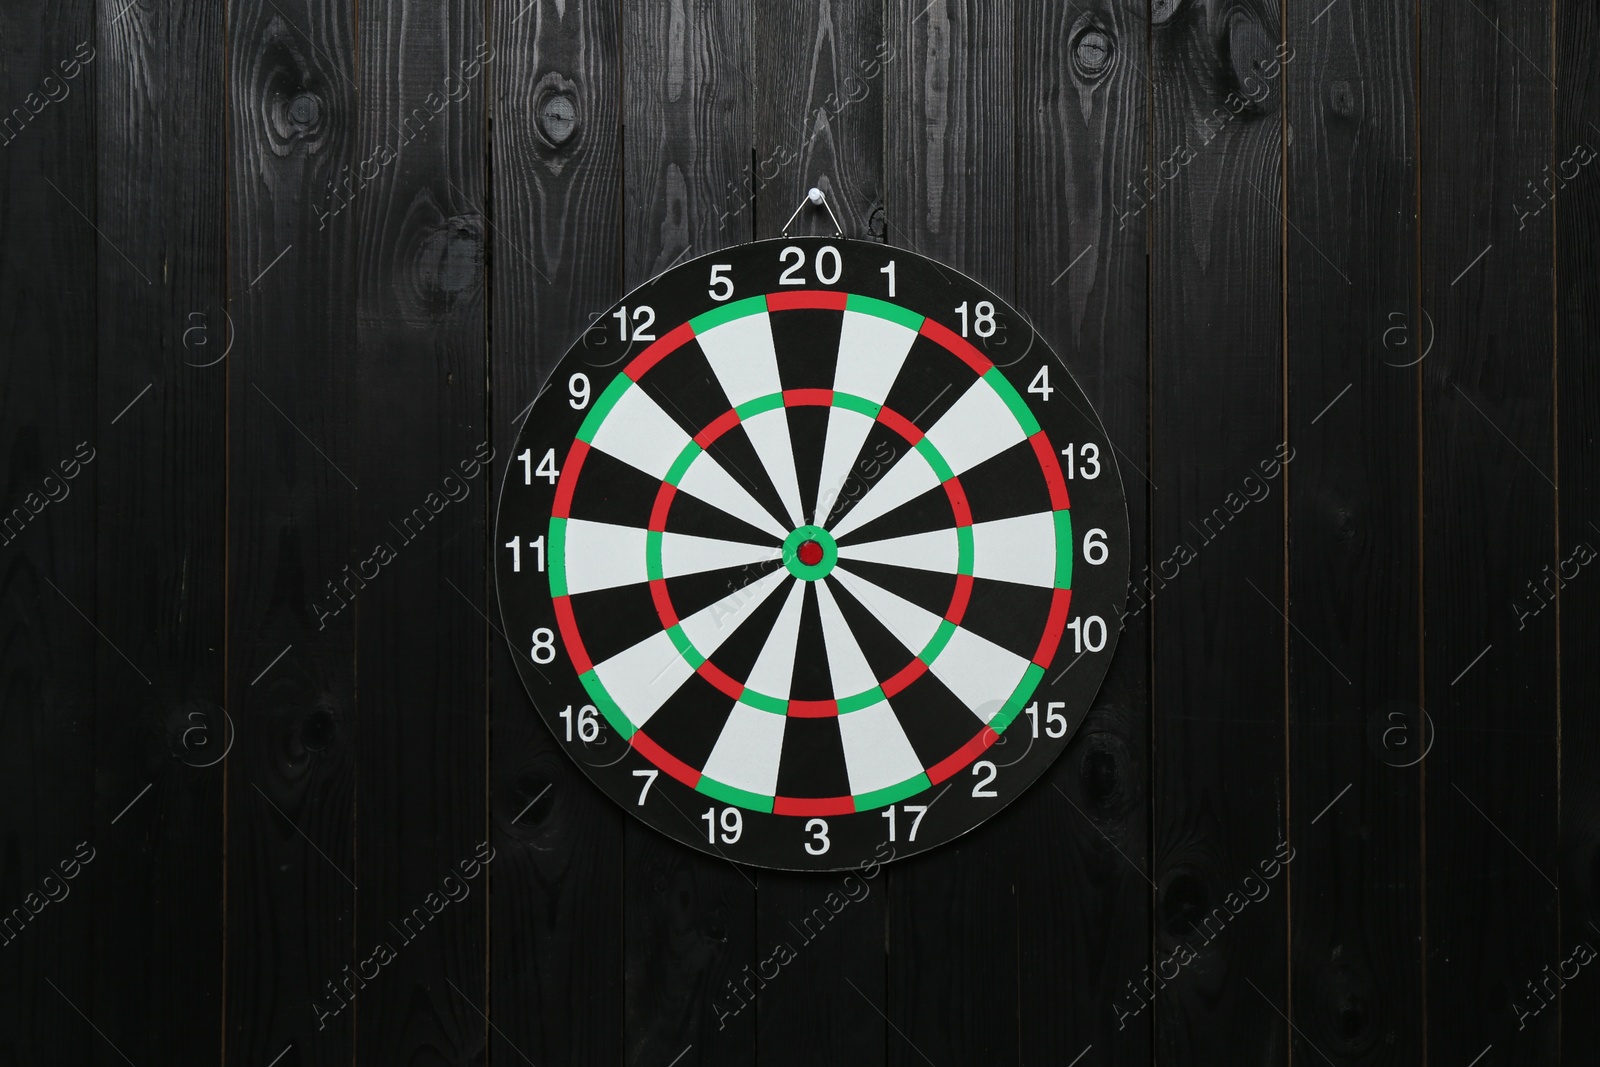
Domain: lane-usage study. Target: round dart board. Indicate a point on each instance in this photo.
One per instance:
(812, 550)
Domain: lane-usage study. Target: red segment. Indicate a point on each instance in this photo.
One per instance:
(899, 424)
(658, 514)
(808, 398)
(569, 480)
(721, 679)
(958, 345)
(1054, 628)
(810, 553)
(807, 298)
(904, 677)
(814, 709)
(958, 502)
(961, 756)
(813, 805)
(659, 351)
(569, 635)
(718, 426)
(1052, 471)
(665, 760)
(958, 601)
(664, 608)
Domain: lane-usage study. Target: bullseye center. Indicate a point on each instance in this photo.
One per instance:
(810, 553)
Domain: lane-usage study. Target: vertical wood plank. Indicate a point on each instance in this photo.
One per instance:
(689, 920)
(949, 174)
(292, 504)
(819, 75)
(1084, 903)
(162, 511)
(421, 445)
(1575, 180)
(556, 945)
(49, 804)
(1216, 593)
(1358, 735)
(1489, 526)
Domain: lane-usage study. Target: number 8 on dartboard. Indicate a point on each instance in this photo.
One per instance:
(830, 558)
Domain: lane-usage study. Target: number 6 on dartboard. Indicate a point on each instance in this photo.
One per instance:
(809, 552)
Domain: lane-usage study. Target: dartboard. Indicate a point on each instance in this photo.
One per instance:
(812, 552)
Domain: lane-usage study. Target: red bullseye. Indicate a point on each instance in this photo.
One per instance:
(810, 553)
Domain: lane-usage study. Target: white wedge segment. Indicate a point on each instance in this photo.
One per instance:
(913, 626)
(715, 623)
(877, 753)
(847, 434)
(773, 673)
(848, 666)
(640, 434)
(769, 436)
(687, 554)
(641, 678)
(978, 671)
(871, 352)
(908, 479)
(600, 555)
(977, 427)
(936, 550)
(706, 480)
(748, 751)
(1021, 550)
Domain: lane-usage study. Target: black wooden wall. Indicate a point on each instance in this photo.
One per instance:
(271, 269)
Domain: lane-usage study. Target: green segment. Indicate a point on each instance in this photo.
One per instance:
(653, 567)
(686, 649)
(1063, 550)
(884, 310)
(936, 461)
(762, 702)
(964, 549)
(758, 405)
(861, 700)
(753, 305)
(602, 407)
(856, 403)
(879, 798)
(732, 795)
(1019, 409)
(680, 466)
(608, 707)
(1019, 697)
(558, 557)
(941, 637)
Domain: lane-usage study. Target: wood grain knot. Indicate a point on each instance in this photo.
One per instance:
(534, 800)
(282, 78)
(556, 113)
(1252, 60)
(1342, 99)
(1092, 52)
(449, 261)
(319, 728)
(1162, 11)
(1101, 768)
(1183, 901)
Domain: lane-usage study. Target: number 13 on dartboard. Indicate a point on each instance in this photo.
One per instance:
(831, 557)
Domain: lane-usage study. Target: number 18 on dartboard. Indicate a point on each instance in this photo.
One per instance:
(808, 546)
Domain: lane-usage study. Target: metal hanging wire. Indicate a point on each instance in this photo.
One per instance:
(815, 197)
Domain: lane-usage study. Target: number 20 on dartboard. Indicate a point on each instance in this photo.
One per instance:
(818, 564)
